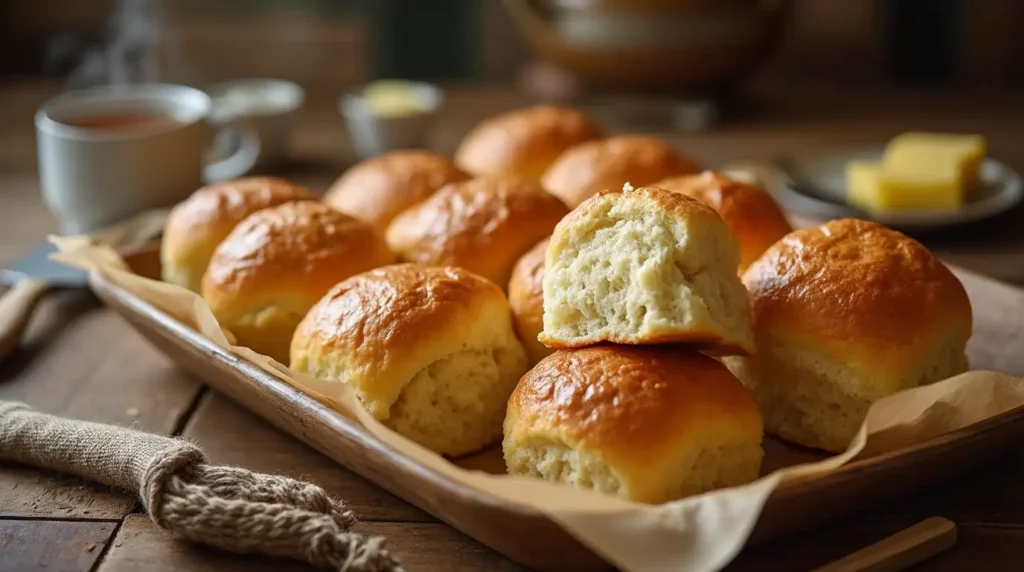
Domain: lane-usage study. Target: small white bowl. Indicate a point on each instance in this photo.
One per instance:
(373, 134)
(267, 106)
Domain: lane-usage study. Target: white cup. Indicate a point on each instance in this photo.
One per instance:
(94, 177)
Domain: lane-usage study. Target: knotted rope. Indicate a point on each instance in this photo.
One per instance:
(231, 508)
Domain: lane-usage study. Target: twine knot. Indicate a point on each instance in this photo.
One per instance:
(228, 507)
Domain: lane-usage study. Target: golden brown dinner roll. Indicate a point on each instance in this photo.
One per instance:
(526, 297)
(644, 266)
(196, 226)
(377, 189)
(589, 168)
(844, 314)
(650, 424)
(278, 262)
(429, 350)
(523, 142)
(751, 213)
(483, 225)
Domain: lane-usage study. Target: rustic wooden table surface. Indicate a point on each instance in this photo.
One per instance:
(83, 361)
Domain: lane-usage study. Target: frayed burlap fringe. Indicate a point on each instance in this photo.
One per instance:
(227, 507)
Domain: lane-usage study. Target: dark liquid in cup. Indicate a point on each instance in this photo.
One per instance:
(121, 122)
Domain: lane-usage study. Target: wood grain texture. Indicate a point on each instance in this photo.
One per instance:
(80, 361)
(821, 545)
(140, 545)
(423, 547)
(52, 545)
(230, 435)
(978, 547)
(992, 495)
(899, 551)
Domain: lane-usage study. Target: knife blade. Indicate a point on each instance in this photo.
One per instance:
(35, 274)
(37, 264)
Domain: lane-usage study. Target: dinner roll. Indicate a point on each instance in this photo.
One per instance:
(650, 424)
(644, 266)
(589, 168)
(197, 225)
(483, 225)
(844, 314)
(751, 213)
(526, 297)
(523, 142)
(377, 189)
(278, 262)
(429, 350)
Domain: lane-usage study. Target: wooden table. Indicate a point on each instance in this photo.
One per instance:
(82, 361)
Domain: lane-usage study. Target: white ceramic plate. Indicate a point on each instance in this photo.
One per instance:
(815, 185)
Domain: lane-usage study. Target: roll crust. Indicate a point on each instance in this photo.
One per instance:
(526, 297)
(752, 215)
(378, 189)
(523, 142)
(383, 330)
(857, 289)
(483, 225)
(278, 262)
(845, 314)
(630, 402)
(595, 166)
(198, 224)
(638, 410)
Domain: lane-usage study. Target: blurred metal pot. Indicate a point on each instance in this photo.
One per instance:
(693, 46)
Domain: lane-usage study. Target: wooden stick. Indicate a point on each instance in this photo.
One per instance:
(901, 550)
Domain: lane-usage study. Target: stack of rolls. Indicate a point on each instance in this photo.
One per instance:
(639, 285)
(617, 318)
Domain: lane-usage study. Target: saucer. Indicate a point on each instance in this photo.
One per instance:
(815, 185)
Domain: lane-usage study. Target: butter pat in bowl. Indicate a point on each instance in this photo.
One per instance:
(918, 172)
(391, 114)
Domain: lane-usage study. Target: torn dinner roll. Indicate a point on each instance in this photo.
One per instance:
(645, 266)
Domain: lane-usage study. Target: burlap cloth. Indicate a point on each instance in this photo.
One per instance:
(227, 507)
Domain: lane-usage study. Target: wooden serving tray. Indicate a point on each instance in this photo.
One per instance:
(528, 536)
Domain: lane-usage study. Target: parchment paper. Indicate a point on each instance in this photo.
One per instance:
(698, 533)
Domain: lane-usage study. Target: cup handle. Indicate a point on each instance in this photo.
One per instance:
(239, 162)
